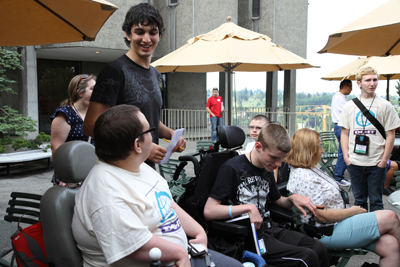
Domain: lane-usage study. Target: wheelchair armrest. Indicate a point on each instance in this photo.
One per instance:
(279, 213)
(195, 162)
(229, 228)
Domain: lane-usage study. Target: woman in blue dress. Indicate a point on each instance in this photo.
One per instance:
(67, 120)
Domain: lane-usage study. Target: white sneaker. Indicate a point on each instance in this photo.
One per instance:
(344, 182)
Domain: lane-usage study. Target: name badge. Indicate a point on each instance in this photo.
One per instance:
(361, 145)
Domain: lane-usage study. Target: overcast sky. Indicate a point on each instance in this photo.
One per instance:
(324, 18)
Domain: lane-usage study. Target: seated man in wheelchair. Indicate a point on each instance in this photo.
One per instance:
(124, 208)
(377, 231)
(248, 181)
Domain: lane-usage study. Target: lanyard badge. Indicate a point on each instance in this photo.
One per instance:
(361, 145)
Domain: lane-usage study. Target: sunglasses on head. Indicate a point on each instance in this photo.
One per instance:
(84, 76)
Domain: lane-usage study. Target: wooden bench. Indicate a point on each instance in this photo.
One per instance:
(15, 158)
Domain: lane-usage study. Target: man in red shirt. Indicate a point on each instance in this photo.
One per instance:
(215, 106)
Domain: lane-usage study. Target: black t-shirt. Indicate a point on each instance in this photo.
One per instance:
(123, 81)
(241, 182)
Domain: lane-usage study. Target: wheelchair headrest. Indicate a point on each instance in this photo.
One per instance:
(230, 136)
(73, 161)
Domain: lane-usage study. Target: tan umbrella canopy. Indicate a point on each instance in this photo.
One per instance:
(230, 48)
(36, 22)
(375, 34)
(388, 68)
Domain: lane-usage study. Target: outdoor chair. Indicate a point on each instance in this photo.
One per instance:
(331, 152)
(23, 208)
(167, 170)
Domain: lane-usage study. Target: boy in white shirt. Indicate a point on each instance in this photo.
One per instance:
(255, 126)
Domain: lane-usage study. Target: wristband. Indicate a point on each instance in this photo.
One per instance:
(230, 211)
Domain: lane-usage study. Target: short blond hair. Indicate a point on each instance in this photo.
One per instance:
(274, 136)
(306, 151)
(365, 71)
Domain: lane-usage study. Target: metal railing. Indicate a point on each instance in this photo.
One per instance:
(198, 127)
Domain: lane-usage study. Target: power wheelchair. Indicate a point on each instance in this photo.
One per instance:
(206, 165)
(72, 163)
(228, 238)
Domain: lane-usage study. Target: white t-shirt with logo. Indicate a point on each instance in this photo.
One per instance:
(354, 120)
(117, 212)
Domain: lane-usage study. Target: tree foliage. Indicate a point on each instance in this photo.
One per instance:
(11, 122)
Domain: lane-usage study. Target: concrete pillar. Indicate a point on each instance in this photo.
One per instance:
(29, 92)
(271, 95)
(289, 100)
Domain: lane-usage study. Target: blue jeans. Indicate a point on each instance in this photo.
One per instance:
(215, 121)
(367, 182)
(340, 164)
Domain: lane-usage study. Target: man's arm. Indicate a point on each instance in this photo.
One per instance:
(299, 201)
(192, 228)
(209, 111)
(213, 210)
(344, 141)
(94, 111)
(170, 252)
(388, 148)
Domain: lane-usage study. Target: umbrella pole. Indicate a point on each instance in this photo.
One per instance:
(229, 71)
(387, 89)
(387, 85)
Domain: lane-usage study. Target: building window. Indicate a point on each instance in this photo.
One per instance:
(53, 80)
(172, 2)
(255, 9)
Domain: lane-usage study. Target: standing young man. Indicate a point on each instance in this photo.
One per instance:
(365, 150)
(215, 106)
(338, 101)
(131, 80)
(246, 184)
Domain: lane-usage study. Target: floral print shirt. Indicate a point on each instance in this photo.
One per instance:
(318, 186)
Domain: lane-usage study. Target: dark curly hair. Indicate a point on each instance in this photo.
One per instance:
(144, 14)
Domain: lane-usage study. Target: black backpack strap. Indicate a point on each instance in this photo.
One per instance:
(369, 116)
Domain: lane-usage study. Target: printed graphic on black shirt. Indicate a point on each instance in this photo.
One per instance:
(253, 190)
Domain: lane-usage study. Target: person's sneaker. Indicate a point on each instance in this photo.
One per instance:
(344, 182)
(387, 191)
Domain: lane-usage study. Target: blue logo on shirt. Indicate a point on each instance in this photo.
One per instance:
(362, 121)
(164, 204)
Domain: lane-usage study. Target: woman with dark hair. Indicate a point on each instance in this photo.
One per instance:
(67, 120)
(354, 227)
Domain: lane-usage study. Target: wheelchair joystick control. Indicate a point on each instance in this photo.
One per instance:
(155, 255)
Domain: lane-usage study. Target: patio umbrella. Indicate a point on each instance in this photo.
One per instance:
(36, 22)
(230, 48)
(375, 34)
(387, 67)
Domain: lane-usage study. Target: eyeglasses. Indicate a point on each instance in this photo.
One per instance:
(255, 127)
(84, 76)
(150, 130)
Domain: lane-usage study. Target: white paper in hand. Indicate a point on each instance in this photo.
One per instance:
(172, 145)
